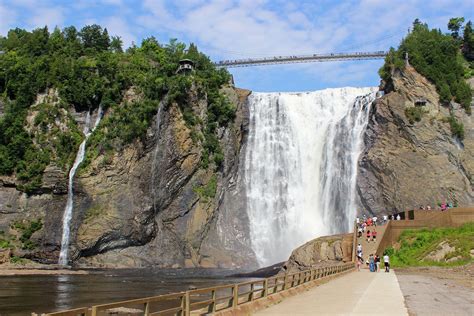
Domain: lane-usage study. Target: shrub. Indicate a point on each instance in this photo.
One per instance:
(414, 114)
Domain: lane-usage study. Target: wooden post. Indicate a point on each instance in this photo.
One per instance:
(187, 304)
(183, 306)
(284, 281)
(146, 309)
(94, 311)
(212, 307)
(251, 292)
(235, 294)
(265, 288)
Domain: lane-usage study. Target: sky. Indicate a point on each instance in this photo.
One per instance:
(235, 29)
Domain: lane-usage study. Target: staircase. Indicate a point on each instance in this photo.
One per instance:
(371, 246)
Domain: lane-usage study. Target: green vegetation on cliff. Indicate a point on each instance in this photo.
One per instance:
(417, 245)
(88, 68)
(441, 58)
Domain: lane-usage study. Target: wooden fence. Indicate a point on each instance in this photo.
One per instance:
(207, 300)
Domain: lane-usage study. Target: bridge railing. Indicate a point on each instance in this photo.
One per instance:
(208, 300)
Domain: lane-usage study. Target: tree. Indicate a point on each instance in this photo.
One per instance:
(455, 25)
(93, 37)
(468, 42)
(116, 44)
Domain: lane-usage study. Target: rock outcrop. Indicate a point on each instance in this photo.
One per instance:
(320, 252)
(405, 164)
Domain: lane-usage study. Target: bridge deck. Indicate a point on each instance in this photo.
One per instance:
(357, 293)
(300, 59)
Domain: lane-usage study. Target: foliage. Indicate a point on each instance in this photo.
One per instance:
(457, 128)
(468, 44)
(88, 68)
(415, 245)
(437, 57)
(27, 229)
(207, 191)
(454, 25)
(414, 114)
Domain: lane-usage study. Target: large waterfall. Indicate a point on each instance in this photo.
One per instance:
(301, 166)
(63, 255)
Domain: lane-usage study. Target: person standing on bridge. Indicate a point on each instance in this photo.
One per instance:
(386, 261)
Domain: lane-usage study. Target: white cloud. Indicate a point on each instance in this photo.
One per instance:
(118, 26)
(7, 19)
(46, 16)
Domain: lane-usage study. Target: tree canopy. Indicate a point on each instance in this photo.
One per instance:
(438, 57)
(89, 68)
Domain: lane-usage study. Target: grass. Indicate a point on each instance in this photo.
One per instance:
(415, 245)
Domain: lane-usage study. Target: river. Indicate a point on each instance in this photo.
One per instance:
(21, 295)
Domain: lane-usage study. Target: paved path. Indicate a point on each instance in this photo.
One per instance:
(357, 293)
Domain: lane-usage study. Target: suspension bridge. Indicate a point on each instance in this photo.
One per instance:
(300, 59)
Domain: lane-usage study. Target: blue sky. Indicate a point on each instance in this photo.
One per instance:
(232, 29)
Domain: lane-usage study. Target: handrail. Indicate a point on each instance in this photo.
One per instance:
(211, 299)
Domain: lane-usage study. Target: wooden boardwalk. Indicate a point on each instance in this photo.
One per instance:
(357, 293)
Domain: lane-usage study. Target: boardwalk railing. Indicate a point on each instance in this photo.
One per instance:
(208, 300)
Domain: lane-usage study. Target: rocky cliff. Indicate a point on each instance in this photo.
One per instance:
(151, 204)
(407, 164)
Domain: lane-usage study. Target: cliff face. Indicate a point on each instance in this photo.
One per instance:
(151, 204)
(405, 165)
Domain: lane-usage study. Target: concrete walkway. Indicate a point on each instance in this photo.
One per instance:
(357, 293)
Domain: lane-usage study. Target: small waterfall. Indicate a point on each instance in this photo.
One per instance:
(155, 155)
(301, 166)
(63, 255)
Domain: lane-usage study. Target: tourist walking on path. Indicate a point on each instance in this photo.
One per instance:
(371, 263)
(377, 263)
(386, 261)
(359, 262)
(374, 235)
(368, 235)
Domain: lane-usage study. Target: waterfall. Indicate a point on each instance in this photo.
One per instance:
(63, 255)
(155, 155)
(301, 166)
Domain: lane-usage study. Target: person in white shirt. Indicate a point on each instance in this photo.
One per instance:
(386, 261)
(398, 217)
(385, 218)
(374, 220)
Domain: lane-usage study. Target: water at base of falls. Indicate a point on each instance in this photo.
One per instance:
(301, 166)
(63, 255)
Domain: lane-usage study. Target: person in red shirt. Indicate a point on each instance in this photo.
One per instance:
(368, 235)
(374, 235)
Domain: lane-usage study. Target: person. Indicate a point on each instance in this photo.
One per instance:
(386, 262)
(359, 262)
(377, 263)
(368, 235)
(443, 206)
(374, 235)
(385, 219)
(357, 221)
(369, 221)
(428, 207)
(398, 217)
(359, 248)
(374, 220)
(371, 263)
(359, 232)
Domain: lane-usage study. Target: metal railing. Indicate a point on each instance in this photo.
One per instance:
(300, 59)
(207, 300)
